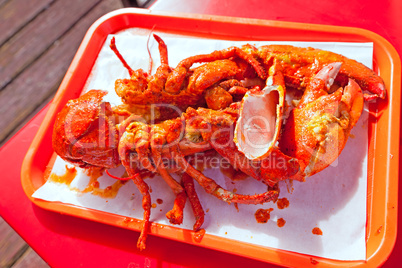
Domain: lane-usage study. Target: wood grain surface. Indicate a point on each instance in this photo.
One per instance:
(38, 40)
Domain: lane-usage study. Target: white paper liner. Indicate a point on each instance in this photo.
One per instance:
(333, 200)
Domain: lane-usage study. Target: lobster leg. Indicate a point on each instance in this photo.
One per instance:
(147, 141)
(175, 215)
(199, 213)
(146, 205)
(168, 132)
(176, 79)
(146, 202)
(124, 151)
(157, 82)
(211, 187)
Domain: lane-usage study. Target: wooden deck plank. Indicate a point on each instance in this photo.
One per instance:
(35, 86)
(16, 13)
(12, 246)
(28, 118)
(5, 231)
(30, 259)
(41, 79)
(2, 2)
(35, 38)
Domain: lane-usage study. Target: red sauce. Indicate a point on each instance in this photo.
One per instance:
(159, 201)
(281, 222)
(282, 203)
(236, 206)
(379, 229)
(93, 185)
(316, 231)
(108, 192)
(199, 235)
(66, 178)
(94, 173)
(313, 261)
(263, 215)
(130, 221)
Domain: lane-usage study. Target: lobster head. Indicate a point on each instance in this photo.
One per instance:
(85, 132)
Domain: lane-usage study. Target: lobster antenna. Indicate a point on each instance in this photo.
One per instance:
(116, 51)
(120, 178)
(162, 50)
(151, 62)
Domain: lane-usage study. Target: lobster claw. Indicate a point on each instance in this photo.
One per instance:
(318, 128)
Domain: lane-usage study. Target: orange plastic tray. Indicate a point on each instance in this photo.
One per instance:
(382, 197)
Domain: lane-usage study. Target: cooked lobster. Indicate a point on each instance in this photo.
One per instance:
(255, 139)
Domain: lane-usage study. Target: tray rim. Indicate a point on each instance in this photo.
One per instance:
(387, 237)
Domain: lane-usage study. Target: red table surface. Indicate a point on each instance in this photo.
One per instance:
(65, 241)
